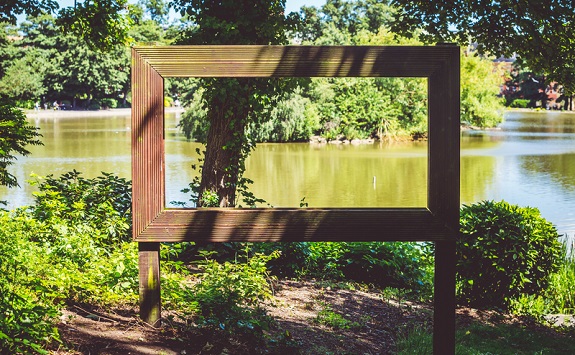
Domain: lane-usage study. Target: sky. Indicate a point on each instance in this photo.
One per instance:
(291, 5)
(295, 5)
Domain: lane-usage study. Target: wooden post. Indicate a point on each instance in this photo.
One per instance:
(149, 265)
(443, 192)
(444, 299)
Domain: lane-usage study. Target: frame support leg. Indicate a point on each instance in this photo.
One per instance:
(149, 267)
(444, 298)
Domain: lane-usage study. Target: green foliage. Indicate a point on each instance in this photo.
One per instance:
(109, 103)
(561, 290)
(504, 251)
(328, 317)
(292, 119)
(15, 135)
(29, 304)
(67, 248)
(23, 78)
(530, 29)
(557, 298)
(407, 266)
(158, 10)
(480, 105)
(194, 121)
(519, 103)
(293, 257)
(103, 24)
(103, 202)
(60, 66)
(400, 265)
(230, 294)
(209, 199)
(10, 9)
(483, 339)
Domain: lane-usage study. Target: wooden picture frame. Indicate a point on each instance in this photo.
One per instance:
(154, 223)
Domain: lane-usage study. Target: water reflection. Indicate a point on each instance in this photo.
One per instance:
(340, 176)
(535, 163)
(529, 161)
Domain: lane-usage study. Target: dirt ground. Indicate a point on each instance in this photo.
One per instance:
(373, 321)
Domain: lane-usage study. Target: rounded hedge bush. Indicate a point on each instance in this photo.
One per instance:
(504, 251)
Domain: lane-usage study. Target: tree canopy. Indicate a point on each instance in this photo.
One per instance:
(230, 115)
(540, 33)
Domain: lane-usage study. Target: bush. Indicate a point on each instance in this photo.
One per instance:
(168, 101)
(28, 305)
(558, 298)
(504, 251)
(230, 294)
(519, 103)
(68, 247)
(400, 265)
(94, 106)
(103, 202)
(109, 103)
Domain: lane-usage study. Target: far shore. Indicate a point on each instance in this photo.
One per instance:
(126, 112)
(87, 113)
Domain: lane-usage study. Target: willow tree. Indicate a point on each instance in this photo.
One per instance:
(231, 103)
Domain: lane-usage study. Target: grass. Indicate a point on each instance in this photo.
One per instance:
(328, 317)
(484, 339)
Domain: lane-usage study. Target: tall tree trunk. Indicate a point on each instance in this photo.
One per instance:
(224, 156)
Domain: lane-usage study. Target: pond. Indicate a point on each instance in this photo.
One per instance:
(529, 161)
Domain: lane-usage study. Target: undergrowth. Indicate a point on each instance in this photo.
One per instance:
(73, 246)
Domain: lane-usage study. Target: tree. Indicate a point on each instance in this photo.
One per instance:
(10, 8)
(23, 79)
(15, 135)
(231, 103)
(103, 24)
(69, 68)
(158, 10)
(346, 18)
(541, 33)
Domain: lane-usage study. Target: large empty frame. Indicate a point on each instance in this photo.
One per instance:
(439, 222)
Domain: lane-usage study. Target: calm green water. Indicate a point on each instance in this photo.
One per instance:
(530, 161)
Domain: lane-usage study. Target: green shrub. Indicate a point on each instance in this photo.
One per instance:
(401, 265)
(230, 294)
(103, 202)
(504, 251)
(68, 247)
(293, 257)
(28, 302)
(407, 266)
(519, 103)
(558, 297)
(109, 103)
